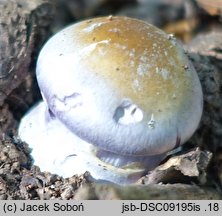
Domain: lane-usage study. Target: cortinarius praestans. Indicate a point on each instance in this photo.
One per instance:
(118, 94)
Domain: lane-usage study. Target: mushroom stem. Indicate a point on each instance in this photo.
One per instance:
(129, 161)
(56, 149)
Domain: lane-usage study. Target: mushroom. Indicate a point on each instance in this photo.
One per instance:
(118, 94)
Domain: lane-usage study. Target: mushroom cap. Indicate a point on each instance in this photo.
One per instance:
(122, 85)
